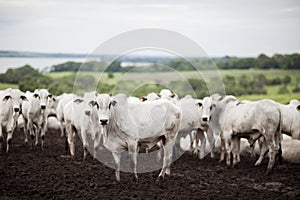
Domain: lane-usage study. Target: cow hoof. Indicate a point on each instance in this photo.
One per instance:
(134, 179)
(235, 165)
(257, 164)
(268, 172)
(159, 180)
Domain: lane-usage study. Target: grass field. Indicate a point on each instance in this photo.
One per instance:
(6, 85)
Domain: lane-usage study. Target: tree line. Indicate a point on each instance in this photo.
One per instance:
(277, 61)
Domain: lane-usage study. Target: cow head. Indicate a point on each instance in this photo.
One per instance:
(16, 97)
(103, 104)
(167, 94)
(207, 105)
(87, 98)
(151, 97)
(43, 96)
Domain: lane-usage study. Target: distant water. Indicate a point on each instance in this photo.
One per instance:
(38, 63)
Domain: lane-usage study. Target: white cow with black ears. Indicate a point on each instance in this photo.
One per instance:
(129, 124)
(10, 107)
(80, 118)
(35, 115)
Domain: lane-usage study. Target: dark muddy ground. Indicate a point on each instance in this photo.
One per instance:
(34, 174)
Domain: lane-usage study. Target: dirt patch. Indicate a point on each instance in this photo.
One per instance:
(34, 174)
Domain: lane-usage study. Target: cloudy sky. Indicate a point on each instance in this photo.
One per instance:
(241, 28)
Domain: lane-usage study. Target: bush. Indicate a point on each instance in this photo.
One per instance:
(283, 90)
(274, 81)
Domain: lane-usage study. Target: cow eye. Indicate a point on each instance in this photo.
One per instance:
(36, 96)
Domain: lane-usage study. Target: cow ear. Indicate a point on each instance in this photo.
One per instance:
(50, 95)
(298, 107)
(6, 98)
(94, 103)
(199, 103)
(110, 94)
(173, 95)
(158, 95)
(35, 95)
(79, 100)
(24, 98)
(143, 99)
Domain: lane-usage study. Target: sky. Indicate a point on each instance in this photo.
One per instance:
(233, 27)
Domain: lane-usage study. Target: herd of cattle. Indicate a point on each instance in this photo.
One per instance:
(122, 123)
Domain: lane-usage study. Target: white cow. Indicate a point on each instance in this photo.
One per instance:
(167, 94)
(210, 125)
(290, 123)
(63, 100)
(10, 107)
(129, 124)
(250, 120)
(295, 102)
(35, 115)
(81, 118)
(291, 118)
(291, 150)
(151, 97)
(52, 105)
(192, 124)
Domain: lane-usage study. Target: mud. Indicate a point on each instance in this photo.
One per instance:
(35, 174)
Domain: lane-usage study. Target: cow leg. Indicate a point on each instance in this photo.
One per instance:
(31, 131)
(278, 144)
(67, 145)
(222, 150)
(263, 149)
(236, 150)
(1, 138)
(159, 152)
(133, 150)
(37, 133)
(97, 143)
(8, 140)
(25, 131)
(43, 132)
(168, 152)
(228, 149)
(117, 158)
(200, 136)
(84, 143)
(211, 140)
(71, 138)
(252, 151)
(272, 152)
(62, 128)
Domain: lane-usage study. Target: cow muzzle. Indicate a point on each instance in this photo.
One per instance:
(103, 121)
(205, 119)
(43, 107)
(16, 109)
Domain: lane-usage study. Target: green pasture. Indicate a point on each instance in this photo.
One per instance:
(4, 86)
